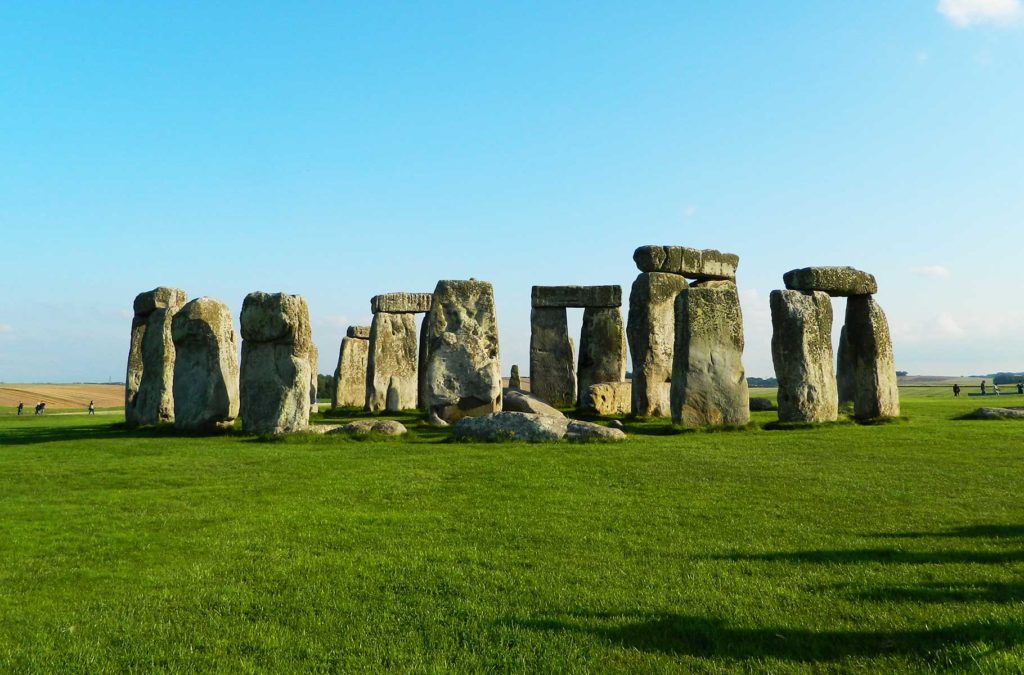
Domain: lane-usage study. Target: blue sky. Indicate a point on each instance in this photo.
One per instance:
(343, 150)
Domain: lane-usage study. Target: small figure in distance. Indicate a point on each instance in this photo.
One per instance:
(995, 389)
(21, 407)
(983, 387)
(956, 390)
(1020, 387)
(39, 408)
(92, 408)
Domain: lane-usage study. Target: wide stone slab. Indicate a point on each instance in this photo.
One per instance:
(401, 303)
(350, 374)
(517, 426)
(836, 281)
(358, 332)
(802, 355)
(552, 362)
(149, 390)
(392, 361)
(693, 263)
(876, 393)
(205, 366)
(602, 348)
(519, 401)
(577, 296)
(650, 330)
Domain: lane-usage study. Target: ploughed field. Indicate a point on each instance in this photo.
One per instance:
(62, 396)
(883, 548)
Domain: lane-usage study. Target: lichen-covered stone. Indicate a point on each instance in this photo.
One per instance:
(392, 355)
(350, 375)
(845, 385)
(358, 332)
(519, 401)
(149, 390)
(552, 366)
(607, 398)
(760, 404)
(463, 367)
(401, 303)
(276, 370)
(802, 353)
(382, 427)
(517, 426)
(692, 263)
(836, 281)
(709, 385)
(514, 381)
(876, 393)
(205, 366)
(421, 364)
(577, 296)
(650, 329)
(602, 348)
(314, 379)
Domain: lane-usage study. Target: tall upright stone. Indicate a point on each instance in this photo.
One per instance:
(392, 356)
(149, 382)
(845, 385)
(709, 385)
(650, 329)
(602, 348)
(802, 354)
(421, 365)
(514, 381)
(314, 378)
(463, 368)
(876, 393)
(350, 375)
(552, 363)
(205, 366)
(276, 370)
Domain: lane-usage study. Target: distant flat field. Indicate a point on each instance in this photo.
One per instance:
(62, 396)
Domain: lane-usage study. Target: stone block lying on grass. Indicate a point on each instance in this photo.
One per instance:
(520, 401)
(996, 414)
(517, 426)
(758, 404)
(607, 398)
(382, 427)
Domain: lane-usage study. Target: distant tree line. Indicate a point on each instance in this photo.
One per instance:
(762, 382)
(324, 386)
(1002, 378)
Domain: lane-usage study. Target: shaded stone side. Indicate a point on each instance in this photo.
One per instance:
(314, 381)
(552, 365)
(463, 368)
(149, 390)
(350, 375)
(709, 385)
(577, 296)
(392, 355)
(421, 365)
(602, 348)
(693, 263)
(401, 303)
(837, 281)
(845, 385)
(876, 393)
(205, 366)
(650, 329)
(802, 354)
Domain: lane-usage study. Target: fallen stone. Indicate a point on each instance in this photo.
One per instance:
(587, 431)
(616, 424)
(205, 366)
(650, 330)
(382, 427)
(602, 348)
(577, 296)
(401, 303)
(517, 426)
(552, 366)
(514, 381)
(350, 375)
(692, 263)
(435, 421)
(802, 354)
(392, 354)
(520, 401)
(758, 404)
(322, 428)
(358, 332)
(996, 414)
(149, 390)
(607, 398)
(836, 281)
(876, 392)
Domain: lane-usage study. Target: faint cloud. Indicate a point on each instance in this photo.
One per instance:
(933, 272)
(5, 328)
(948, 326)
(966, 13)
(690, 211)
(921, 57)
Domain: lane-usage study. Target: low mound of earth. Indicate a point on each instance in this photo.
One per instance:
(62, 396)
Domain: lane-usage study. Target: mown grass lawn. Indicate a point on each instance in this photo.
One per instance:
(846, 548)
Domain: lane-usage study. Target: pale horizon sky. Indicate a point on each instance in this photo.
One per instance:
(348, 150)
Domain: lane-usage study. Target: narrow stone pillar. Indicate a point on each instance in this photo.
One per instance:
(709, 385)
(392, 356)
(350, 375)
(602, 348)
(149, 390)
(552, 367)
(844, 370)
(421, 365)
(651, 332)
(205, 366)
(876, 393)
(514, 381)
(802, 354)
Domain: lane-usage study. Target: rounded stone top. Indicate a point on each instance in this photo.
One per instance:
(162, 297)
(269, 317)
(201, 316)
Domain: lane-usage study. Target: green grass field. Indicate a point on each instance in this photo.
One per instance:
(844, 548)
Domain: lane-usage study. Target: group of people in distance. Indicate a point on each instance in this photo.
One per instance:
(41, 407)
(983, 388)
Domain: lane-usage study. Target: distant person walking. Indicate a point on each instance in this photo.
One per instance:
(40, 407)
(983, 387)
(92, 408)
(995, 389)
(21, 407)
(956, 390)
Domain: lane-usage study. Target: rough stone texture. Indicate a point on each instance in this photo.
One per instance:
(514, 381)
(517, 426)
(552, 366)
(393, 401)
(382, 427)
(392, 354)
(876, 393)
(149, 390)
(520, 401)
(276, 368)
(463, 368)
(607, 398)
(401, 303)
(651, 332)
(837, 281)
(996, 414)
(758, 404)
(844, 371)
(359, 332)
(421, 365)
(602, 348)
(205, 366)
(693, 263)
(709, 386)
(314, 384)
(350, 375)
(577, 296)
(802, 354)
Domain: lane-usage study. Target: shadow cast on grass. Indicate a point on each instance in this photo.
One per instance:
(881, 555)
(965, 532)
(936, 593)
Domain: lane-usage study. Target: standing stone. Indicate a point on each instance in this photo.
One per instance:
(350, 375)
(514, 381)
(314, 381)
(876, 393)
(393, 403)
(276, 368)
(421, 366)
(844, 370)
(392, 355)
(802, 353)
(602, 348)
(552, 366)
(651, 332)
(149, 390)
(709, 386)
(463, 367)
(205, 366)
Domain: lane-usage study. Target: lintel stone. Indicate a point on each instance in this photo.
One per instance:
(359, 332)
(693, 263)
(836, 281)
(401, 303)
(577, 296)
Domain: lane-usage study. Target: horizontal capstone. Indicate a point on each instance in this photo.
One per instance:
(577, 296)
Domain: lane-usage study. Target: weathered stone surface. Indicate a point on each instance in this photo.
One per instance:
(588, 431)
(421, 365)
(602, 348)
(802, 354)
(607, 398)
(358, 332)
(401, 303)
(519, 401)
(382, 427)
(577, 296)
(876, 393)
(517, 426)
(996, 414)
(844, 371)
(314, 380)
(393, 399)
(709, 386)
(463, 368)
(205, 366)
(392, 355)
(514, 381)
(276, 369)
(552, 366)
(350, 375)
(149, 390)
(651, 333)
(836, 281)
(758, 404)
(693, 263)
